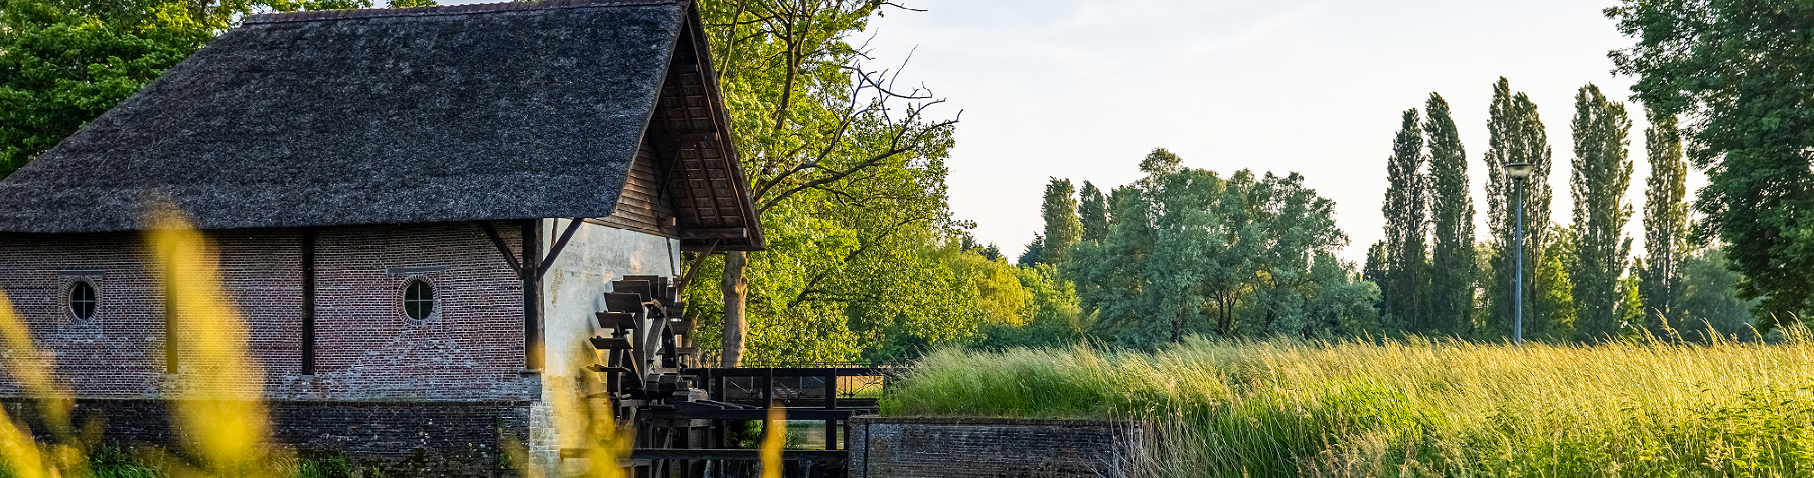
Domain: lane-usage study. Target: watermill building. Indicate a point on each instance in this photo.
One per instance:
(418, 213)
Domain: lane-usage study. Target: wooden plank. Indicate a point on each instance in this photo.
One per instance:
(727, 233)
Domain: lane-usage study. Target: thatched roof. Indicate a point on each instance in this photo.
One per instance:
(476, 112)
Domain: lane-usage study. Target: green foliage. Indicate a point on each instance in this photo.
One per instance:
(1093, 213)
(1189, 252)
(1056, 320)
(1665, 220)
(1063, 228)
(864, 258)
(1555, 290)
(1452, 257)
(1598, 181)
(1516, 136)
(1709, 299)
(1741, 67)
(1034, 253)
(1406, 285)
(63, 63)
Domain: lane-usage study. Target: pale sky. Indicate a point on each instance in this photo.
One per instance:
(1083, 89)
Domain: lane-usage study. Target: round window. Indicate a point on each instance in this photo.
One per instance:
(82, 300)
(418, 300)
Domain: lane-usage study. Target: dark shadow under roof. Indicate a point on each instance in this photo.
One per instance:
(479, 112)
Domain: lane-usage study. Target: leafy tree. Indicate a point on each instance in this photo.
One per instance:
(1190, 252)
(1665, 219)
(1598, 181)
(1452, 260)
(1034, 251)
(1741, 68)
(63, 63)
(1630, 310)
(1063, 228)
(1374, 270)
(1405, 284)
(1709, 299)
(850, 168)
(1516, 136)
(1057, 320)
(1093, 213)
(1555, 290)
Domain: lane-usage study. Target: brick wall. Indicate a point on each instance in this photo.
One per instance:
(366, 348)
(956, 448)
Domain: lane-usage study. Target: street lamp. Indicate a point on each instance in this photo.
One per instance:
(1519, 172)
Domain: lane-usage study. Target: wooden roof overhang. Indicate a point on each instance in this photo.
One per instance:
(702, 174)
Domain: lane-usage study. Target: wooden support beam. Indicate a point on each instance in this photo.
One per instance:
(706, 234)
(554, 252)
(308, 301)
(498, 242)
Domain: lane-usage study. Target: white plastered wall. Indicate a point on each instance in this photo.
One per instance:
(572, 291)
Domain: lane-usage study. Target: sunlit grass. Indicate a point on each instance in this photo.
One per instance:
(1414, 408)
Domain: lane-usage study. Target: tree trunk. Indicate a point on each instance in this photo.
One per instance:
(734, 290)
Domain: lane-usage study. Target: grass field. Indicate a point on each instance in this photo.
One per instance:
(1411, 408)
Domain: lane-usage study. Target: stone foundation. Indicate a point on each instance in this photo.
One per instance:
(954, 448)
(400, 439)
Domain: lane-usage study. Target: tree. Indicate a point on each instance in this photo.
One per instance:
(1600, 176)
(1740, 67)
(1189, 252)
(1034, 251)
(1093, 213)
(1452, 259)
(1709, 300)
(1665, 220)
(1516, 136)
(842, 164)
(63, 63)
(1056, 319)
(1063, 229)
(1405, 285)
(1555, 289)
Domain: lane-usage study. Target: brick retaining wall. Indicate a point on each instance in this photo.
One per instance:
(454, 439)
(958, 448)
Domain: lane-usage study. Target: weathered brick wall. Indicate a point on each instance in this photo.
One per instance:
(399, 438)
(366, 348)
(955, 448)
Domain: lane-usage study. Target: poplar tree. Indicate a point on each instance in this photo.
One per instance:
(1405, 226)
(1093, 213)
(1516, 134)
(1452, 261)
(1063, 230)
(1665, 221)
(1600, 176)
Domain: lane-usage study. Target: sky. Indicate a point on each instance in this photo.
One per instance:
(1083, 89)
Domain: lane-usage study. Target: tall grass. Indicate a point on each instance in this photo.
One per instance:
(1410, 408)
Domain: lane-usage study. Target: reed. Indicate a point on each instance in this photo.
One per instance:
(1414, 407)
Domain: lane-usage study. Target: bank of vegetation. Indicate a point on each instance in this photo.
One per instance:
(1410, 408)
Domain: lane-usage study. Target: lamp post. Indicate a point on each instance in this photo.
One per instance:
(1518, 172)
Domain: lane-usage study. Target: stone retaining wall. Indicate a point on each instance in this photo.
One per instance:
(953, 447)
(395, 439)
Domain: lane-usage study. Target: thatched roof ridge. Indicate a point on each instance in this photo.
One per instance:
(317, 15)
(476, 112)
